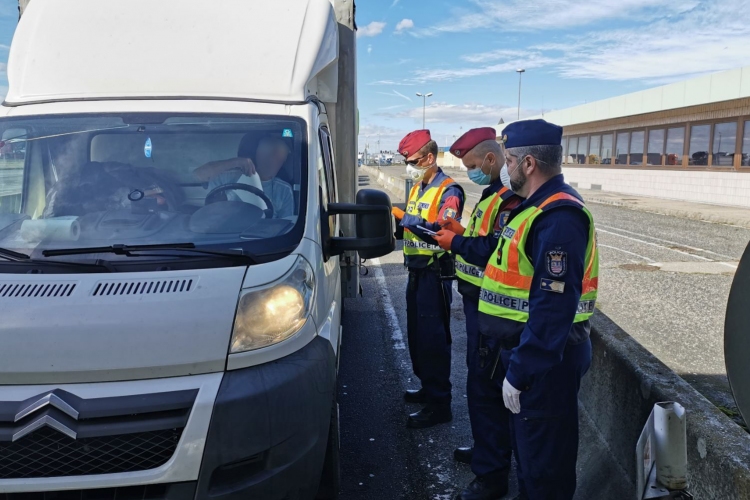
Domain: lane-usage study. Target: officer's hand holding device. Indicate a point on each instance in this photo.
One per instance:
(444, 238)
(452, 224)
(511, 397)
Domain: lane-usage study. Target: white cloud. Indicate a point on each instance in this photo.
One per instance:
(391, 83)
(395, 2)
(395, 93)
(369, 49)
(517, 15)
(373, 29)
(672, 47)
(496, 55)
(468, 115)
(532, 61)
(403, 25)
(389, 137)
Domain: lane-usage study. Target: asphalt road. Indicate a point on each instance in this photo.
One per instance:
(380, 457)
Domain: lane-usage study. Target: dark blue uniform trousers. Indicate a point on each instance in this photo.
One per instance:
(545, 433)
(428, 332)
(490, 420)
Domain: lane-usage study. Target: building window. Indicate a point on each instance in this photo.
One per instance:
(572, 149)
(594, 150)
(655, 147)
(725, 141)
(621, 148)
(746, 146)
(637, 144)
(698, 153)
(565, 149)
(582, 148)
(675, 145)
(607, 149)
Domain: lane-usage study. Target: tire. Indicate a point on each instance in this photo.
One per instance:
(330, 480)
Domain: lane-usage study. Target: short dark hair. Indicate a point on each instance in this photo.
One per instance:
(430, 147)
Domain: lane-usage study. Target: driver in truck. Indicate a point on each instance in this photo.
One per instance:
(270, 156)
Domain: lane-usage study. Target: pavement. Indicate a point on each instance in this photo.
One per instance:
(380, 457)
(665, 277)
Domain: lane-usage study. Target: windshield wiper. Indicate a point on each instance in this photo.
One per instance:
(127, 250)
(13, 256)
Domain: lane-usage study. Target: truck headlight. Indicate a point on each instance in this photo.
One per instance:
(273, 314)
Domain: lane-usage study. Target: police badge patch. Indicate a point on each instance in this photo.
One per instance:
(557, 263)
(503, 219)
(449, 212)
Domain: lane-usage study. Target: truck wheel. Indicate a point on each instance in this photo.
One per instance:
(330, 480)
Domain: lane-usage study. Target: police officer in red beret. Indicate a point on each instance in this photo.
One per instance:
(472, 246)
(538, 292)
(435, 197)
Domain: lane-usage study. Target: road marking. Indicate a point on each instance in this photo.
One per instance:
(700, 257)
(390, 312)
(670, 242)
(627, 252)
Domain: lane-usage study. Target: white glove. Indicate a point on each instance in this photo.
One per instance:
(511, 397)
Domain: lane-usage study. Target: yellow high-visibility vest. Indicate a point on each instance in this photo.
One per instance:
(507, 279)
(480, 224)
(426, 207)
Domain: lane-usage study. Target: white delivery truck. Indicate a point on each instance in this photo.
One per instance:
(172, 246)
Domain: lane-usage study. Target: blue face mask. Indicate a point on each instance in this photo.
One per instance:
(478, 177)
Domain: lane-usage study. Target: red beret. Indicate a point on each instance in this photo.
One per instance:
(413, 142)
(471, 139)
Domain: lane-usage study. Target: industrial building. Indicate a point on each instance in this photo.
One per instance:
(685, 141)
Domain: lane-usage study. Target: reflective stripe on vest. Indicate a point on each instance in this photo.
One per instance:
(480, 224)
(426, 207)
(507, 279)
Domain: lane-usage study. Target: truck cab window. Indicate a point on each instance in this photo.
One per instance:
(100, 179)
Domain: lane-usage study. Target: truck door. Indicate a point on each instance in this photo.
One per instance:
(329, 194)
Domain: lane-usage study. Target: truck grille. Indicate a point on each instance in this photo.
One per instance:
(58, 434)
(48, 453)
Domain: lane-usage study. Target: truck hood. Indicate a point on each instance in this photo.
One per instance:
(104, 327)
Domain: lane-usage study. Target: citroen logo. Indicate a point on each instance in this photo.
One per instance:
(34, 405)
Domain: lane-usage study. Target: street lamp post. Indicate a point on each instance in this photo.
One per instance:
(424, 105)
(520, 73)
(380, 153)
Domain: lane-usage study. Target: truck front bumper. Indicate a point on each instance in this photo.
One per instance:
(269, 428)
(258, 432)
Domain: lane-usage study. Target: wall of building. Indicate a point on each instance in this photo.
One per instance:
(718, 188)
(447, 160)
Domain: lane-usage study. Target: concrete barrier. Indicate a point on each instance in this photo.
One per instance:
(392, 183)
(617, 396)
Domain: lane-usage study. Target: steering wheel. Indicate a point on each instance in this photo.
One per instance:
(210, 198)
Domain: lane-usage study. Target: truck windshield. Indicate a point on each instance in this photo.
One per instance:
(220, 182)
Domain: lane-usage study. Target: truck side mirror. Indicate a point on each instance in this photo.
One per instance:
(374, 225)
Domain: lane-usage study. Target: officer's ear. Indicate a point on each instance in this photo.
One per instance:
(530, 164)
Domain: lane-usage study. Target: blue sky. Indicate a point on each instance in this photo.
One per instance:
(574, 51)
(466, 53)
